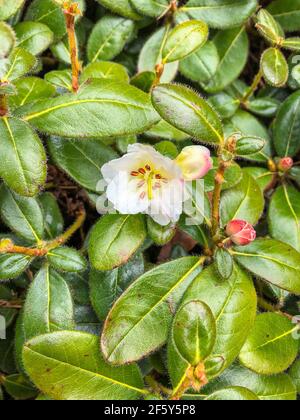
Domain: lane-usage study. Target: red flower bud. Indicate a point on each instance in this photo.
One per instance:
(241, 232)
(285, 164)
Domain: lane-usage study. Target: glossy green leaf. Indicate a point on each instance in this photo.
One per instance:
(232, 46)
(267, 388)
(105, 70)
(18, 387)
(60, 79)
(224, 14)
(53, 218)
(273, 261)
(269, 27)
(202, 65)
(143, 80)
(233, 394)
(8, 39)
(66, 259)
(294, 373)
(65, 355)
(287, 12)
(48, 305)
(151, 8)
(264, 107)
(151, 55)
(243, 202)
(270, 347)
(76, 116)
(82, 161)
(161, 235)
(149, 302)
(274, 67)
(23, 215)
(284, 216)
(225, 105)
(292, 44)
(224, 263)
(107, 286)
(109, 37)
(30, 89)
(20, 63)
(33, 37)
(23, 157)
(184, 39)
(114, 239)
(9, 8)
(262, 176)
(233, 303)
(12, 265)
(287, 127)
(188, 112)
(164, 130)
(233, 176)
(249, 146)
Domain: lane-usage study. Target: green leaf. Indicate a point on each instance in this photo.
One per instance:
(149, 302)
(8, 39)
(66, 259)
(232, 46)
(272, 261)
(143, 81)
(249, 145)
(194, 332)
(188, 112)
(82, 161)
(76, 115)
(243, 202)
(248, 125)
(166, 131)
(8, 313)
(121, 7)
(12, 265)
(161, 235)
(224, 263)
(107, 286)
(60, 79)
(225, 105)
(269, 27)
(50, 13)
(233, 394)
(274, 67)
(262, 176)
(267, 388)
(224, 14)
(233, 303)
(18, 387)
(284, 216)
(9, 8)
(184, 39)
(109, 37)
(23, 215)
(23, 157)
(20, 63)
(264, 107)
(33, 37)
(233, 176)
(30, 89)
(105, 70)
(53, 219)
(65, 355)
(294, 373)
(7, 362)
(292, 43)
(151, 55)
(287, 127)
(270, 347)
(48, 305)
(287, 12)
(202, 65)
(114, 239)
(151, 8)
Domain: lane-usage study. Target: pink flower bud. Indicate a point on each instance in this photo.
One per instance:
(241, 232)
(285, 164)
(195, 162)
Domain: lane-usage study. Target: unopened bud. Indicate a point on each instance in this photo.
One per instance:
(195, 162)
(285, 164)
(241, 232)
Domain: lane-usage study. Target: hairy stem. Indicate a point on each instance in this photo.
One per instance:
(71, 11)
(11, 304)
(253, 87)
(219, 180)
(3, 106)
(8, 247)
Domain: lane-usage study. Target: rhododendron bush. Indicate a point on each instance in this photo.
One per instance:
(150, 199)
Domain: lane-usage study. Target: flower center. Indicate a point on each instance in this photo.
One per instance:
(149, 180)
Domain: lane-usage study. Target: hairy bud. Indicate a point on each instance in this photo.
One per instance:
(285, 164)
(241, 232)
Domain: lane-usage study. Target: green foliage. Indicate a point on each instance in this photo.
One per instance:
(105, 103)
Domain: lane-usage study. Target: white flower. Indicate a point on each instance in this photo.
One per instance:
(144, 181)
